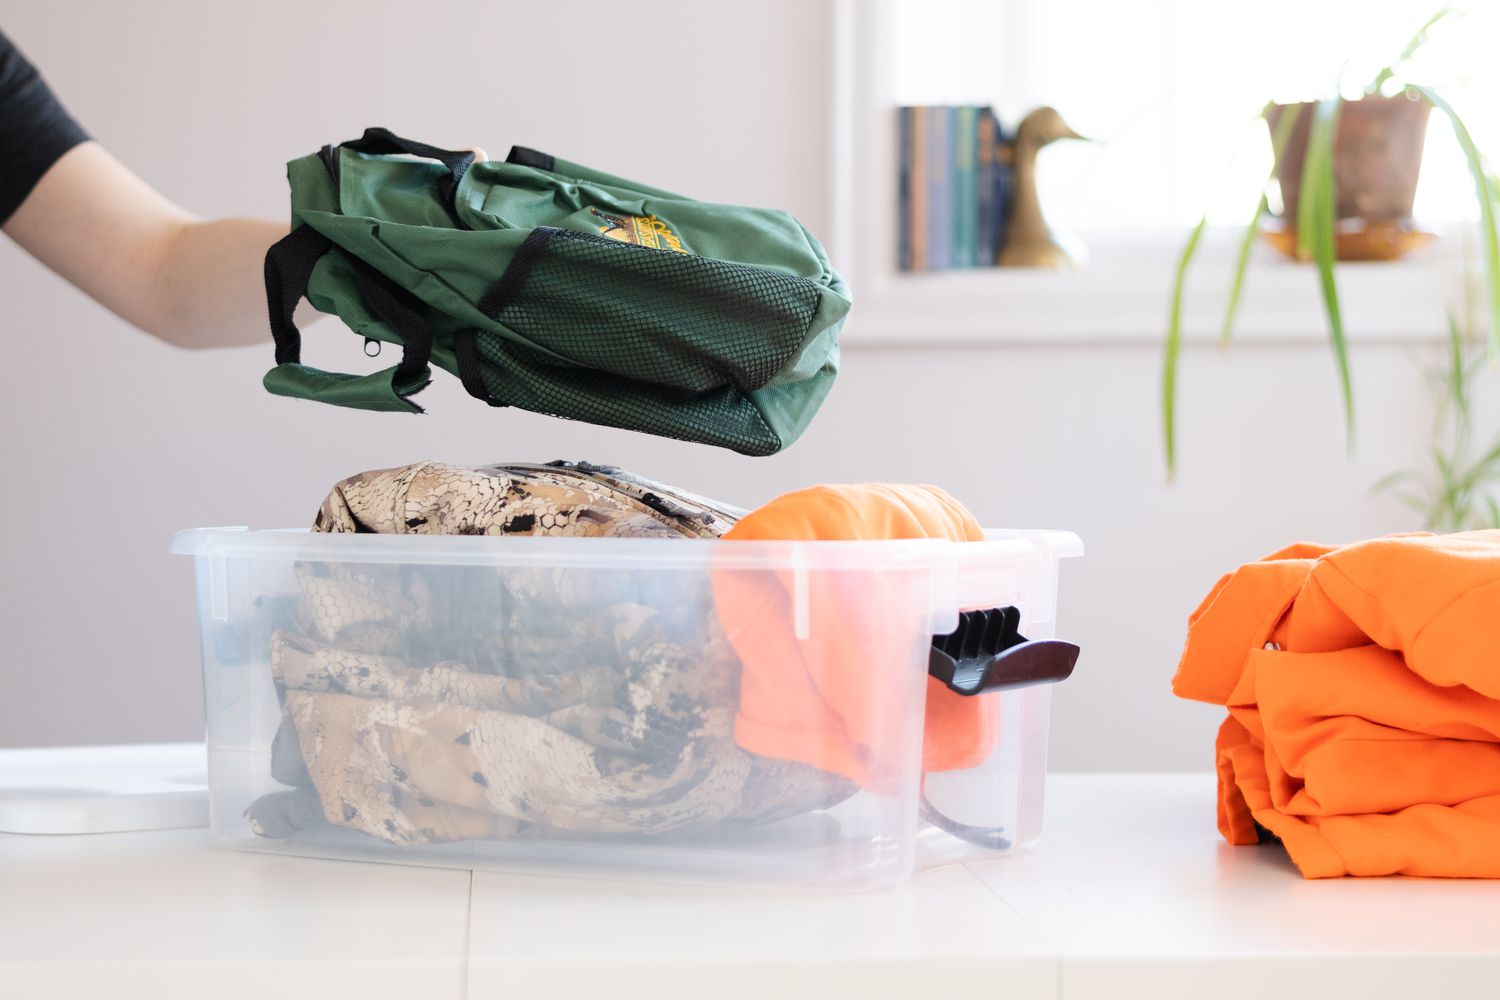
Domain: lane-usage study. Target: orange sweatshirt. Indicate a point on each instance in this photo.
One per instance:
(1363, 688)
(835, 698)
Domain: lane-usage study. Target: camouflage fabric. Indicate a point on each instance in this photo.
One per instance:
(424, 704)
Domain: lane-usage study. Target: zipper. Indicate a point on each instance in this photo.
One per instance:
(675, 505)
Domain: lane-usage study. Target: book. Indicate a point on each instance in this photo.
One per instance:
(986, 240)
(955, 187)
(1003, 185)
(964, 140)
(939, 188)
(904, 198)
(917, 221)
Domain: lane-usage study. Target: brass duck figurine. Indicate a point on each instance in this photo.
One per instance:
(1028, 240)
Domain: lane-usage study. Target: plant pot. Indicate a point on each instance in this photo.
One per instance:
(1377, 156)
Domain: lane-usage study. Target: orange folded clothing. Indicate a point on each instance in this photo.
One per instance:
(831, 698)
(1363, 688)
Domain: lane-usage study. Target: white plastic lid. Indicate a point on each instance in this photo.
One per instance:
(103, 789)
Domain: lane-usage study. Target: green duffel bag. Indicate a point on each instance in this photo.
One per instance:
(551, 287)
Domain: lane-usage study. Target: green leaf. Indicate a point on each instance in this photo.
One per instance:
(1452, 494)
(1426, 506)
(1386, 482)
(1493, 510)
(1315, 232)
(1247, 241)
(1417, 41)
(1458, 371)
(1241, 264)
(1445, 469)
(1172, 349)
(1484, 470)
(1422, 505)
(1489, 234)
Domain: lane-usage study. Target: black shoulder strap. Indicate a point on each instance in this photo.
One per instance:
(471, 367)
(289, 265)
(398, 308)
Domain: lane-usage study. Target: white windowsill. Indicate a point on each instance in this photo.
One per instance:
(1123, 297)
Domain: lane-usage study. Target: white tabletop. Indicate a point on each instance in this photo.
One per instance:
(1131, 893)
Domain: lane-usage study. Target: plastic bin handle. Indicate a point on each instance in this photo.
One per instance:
(987, 652)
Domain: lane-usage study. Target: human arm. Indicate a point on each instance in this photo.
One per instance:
(87, 216)
(187, 281)
(71, 204)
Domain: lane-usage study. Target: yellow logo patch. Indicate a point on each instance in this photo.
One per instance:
(642, 230)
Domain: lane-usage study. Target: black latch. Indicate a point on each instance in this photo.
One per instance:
(987, 652)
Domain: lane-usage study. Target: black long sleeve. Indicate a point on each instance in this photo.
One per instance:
(35, 129)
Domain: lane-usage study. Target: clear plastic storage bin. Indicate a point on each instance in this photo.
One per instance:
(723, 712)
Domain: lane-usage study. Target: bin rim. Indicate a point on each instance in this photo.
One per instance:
(531, 551)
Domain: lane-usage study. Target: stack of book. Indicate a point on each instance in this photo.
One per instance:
(955, 187)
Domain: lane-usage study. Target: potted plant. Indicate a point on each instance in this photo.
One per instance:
(1377, 155)
(1347, 172)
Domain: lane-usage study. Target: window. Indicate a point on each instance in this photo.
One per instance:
(1170, 88)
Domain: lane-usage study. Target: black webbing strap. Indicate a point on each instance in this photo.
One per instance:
(513, 279)
(470, 368)
(289, 263)
(382, 140)
(500, 294)
(525, 157)
(991, 837)
(399, 309)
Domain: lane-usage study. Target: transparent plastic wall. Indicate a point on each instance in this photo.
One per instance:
(710, 712)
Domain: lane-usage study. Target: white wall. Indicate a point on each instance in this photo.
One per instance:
(112, 441)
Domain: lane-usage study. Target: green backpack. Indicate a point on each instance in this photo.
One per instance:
(551, 287)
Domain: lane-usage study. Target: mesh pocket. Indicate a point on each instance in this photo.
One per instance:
(725, 416)
(670, 319)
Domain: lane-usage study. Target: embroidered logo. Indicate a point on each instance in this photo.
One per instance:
(643, 230)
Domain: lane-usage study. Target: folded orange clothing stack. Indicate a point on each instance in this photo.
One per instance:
(1363, 688)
